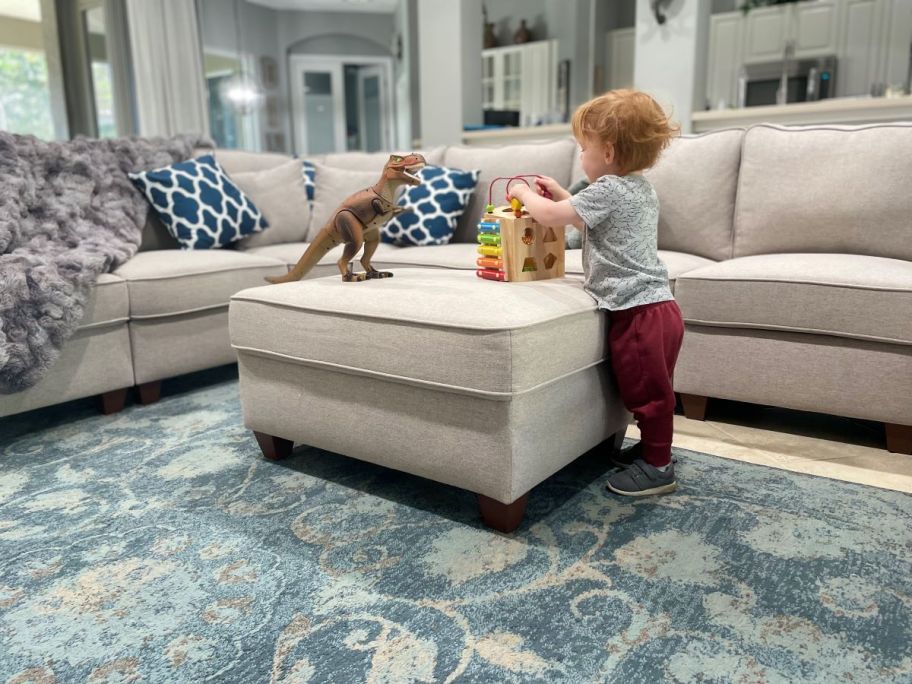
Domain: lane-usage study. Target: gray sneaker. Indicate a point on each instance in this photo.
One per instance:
(625, 457)
(642, 479)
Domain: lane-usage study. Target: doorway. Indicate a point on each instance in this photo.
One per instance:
(341, 104)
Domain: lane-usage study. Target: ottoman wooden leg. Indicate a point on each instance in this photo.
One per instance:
(694, 406)
(500, 516)
(113, 401)
(149, 392)
(899, 438)
(273, 448)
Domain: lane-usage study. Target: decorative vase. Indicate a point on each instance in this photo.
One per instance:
(490, 39)
(523, 34)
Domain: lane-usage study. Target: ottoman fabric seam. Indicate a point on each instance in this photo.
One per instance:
(402, 379)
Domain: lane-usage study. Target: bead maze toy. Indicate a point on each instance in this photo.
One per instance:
(514, 247)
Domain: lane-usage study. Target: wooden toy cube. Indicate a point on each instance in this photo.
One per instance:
(526, 250)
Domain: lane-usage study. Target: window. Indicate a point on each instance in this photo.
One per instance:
(25, 101)
(102, 90)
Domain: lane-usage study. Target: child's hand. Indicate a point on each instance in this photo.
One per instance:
(519, 190)
(546, 184)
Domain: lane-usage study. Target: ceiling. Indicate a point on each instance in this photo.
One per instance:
(375, 6)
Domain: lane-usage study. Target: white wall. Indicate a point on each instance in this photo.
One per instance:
(671, 59)
(449, 50)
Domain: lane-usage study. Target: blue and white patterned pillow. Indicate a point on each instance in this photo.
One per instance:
(309, 173)
(436, 207)
(199, 205)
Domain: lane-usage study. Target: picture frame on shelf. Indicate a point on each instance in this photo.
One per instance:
(272, 111)
(275, 142)
(269, 73)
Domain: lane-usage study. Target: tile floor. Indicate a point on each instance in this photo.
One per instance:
(829, 446)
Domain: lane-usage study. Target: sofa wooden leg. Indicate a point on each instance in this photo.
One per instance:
(273, 448)
(899, 438)
(113, 401)
(149, 392)
(694, 406)
(500, 516)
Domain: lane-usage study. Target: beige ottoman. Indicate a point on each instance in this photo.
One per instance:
(488, 386)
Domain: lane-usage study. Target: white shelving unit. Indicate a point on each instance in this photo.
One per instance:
(521, 78)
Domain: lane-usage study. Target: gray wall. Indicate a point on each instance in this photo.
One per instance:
(506, 14)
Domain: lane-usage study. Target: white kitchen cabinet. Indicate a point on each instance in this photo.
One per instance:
(859, 49)
(521, 78)
(765, 33)
(620, 46)
(725, 42)
(814, 28)
(897, 41)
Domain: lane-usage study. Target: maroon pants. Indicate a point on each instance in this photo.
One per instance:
(644, 343)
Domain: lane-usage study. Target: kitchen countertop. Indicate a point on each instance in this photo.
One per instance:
(843, 110)
(510, 134)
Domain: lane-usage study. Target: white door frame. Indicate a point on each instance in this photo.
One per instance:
(335, 64)
(378, 71)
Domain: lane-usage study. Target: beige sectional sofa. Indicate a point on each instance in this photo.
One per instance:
(789, 250)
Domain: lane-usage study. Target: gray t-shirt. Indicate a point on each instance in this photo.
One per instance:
(620, 253)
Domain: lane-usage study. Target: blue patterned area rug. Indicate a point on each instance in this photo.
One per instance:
(157, 545)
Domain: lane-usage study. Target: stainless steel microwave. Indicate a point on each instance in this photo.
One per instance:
(806, 80)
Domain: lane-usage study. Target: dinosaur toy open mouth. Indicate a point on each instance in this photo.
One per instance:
(412, 171)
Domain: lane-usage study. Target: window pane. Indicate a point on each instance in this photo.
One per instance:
(94, 22)
(25, 103)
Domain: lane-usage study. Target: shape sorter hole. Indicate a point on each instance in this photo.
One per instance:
(529, 263)
(528, 238)
(550, 260)
(550, 236)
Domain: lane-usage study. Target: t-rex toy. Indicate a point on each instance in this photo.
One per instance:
(357, 222)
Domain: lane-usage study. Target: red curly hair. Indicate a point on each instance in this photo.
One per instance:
(631, 121)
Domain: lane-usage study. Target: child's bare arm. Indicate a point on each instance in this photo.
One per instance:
(545, 211)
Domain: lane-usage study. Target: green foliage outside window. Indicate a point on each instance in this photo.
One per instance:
(25, 105)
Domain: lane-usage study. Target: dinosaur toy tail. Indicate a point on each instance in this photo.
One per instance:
(312, 255)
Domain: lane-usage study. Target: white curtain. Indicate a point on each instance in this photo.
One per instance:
(167, 67)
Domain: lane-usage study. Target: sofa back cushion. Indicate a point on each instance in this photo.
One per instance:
(374, 161)
(838, 189)
(695, 179)
(548, 159)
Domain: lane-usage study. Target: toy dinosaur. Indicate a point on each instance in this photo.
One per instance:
(357, 222)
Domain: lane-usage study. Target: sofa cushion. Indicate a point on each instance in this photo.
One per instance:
(548, 159)
(374, 161)
(333, 185)
(199, 203)
(289, 253)
(695, 179)
(281, 195)
(444, 329)
(108, 304)
(242, 161)
(169, 282)
(155, 235)
(837, 189)
(846, 295)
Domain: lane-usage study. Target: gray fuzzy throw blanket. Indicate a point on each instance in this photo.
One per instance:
(68, 212)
